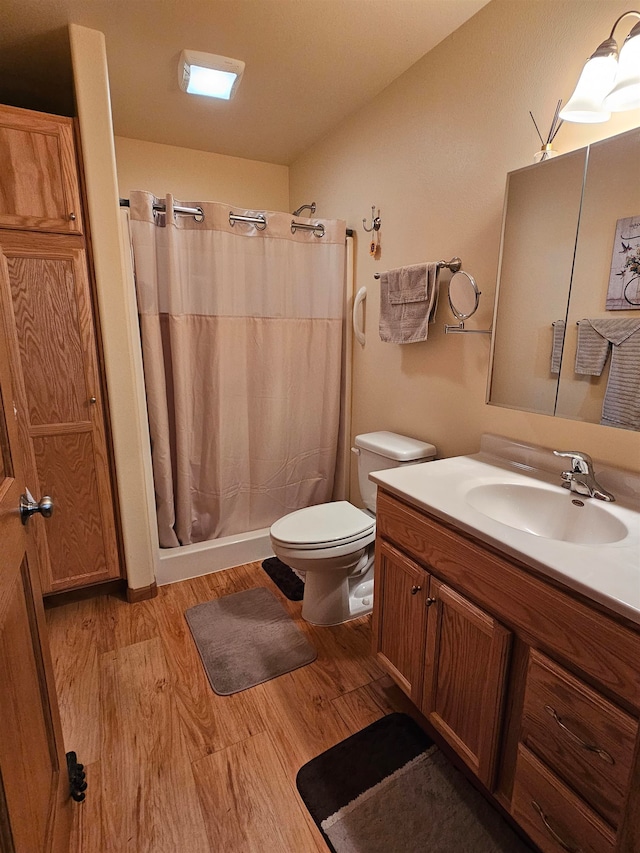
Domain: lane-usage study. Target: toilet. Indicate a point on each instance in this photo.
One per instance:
(331, 545)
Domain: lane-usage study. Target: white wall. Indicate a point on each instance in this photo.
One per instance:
(432, 152)
(199, 175)
(116, 304)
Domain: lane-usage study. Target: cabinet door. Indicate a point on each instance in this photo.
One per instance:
(38, 183)
(35, 808)
(57, 390)
(399, 616)
(464, 677)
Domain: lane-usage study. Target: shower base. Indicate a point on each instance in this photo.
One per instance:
(191, 561)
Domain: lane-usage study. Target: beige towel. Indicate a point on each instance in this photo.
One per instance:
(556, 347)
(408, 302)
(621, 405)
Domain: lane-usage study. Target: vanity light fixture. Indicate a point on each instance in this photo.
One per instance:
(609, 82)
(205, 74)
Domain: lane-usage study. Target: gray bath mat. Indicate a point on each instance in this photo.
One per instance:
(245, 639)
(389, 788)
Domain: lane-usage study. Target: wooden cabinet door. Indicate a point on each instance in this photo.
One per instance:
(39, 183)
(60, 412)
(35, 808)
(399, 616)
(464, 677)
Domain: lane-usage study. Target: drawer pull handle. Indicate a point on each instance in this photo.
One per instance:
(604, 755)
(552, 832)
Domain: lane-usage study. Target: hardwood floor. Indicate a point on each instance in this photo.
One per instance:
(171, 766)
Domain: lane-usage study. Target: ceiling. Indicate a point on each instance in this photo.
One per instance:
(309, 63)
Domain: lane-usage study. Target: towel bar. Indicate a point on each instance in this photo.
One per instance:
(455, 265)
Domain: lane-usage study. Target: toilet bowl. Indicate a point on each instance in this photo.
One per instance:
(332, 545)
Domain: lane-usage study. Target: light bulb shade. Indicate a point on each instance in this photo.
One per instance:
(596, 80)
(625, 94)
(207, 74)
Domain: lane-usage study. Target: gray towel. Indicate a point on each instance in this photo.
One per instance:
(621, 406)
(408, 302)
(556, 347)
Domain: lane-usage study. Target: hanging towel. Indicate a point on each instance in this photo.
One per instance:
(596, 338)
(408, 302)
(558, 327)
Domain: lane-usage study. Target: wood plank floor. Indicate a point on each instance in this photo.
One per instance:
(173, 767)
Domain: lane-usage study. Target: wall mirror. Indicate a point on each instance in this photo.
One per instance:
(559, 241)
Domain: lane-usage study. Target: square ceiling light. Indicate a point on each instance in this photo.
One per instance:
(205, 74)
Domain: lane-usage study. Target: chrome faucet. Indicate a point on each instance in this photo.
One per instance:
(581, 478)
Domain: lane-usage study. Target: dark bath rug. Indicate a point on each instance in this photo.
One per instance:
(284, 578)
(246, 638)
(389, 788)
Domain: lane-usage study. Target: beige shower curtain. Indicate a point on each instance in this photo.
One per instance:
(241, 336)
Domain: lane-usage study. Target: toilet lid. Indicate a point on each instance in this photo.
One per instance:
(338, 521)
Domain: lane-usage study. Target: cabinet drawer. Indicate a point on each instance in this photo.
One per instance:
(552, 815)
(582, 736)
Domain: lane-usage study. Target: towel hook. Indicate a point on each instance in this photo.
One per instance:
(376, 222)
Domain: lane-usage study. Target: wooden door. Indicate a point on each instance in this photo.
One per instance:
(401, 589)
(35, 808)
(464, 677)
(39, 188)
(59, 404)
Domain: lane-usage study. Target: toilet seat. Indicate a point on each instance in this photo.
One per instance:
(330, 525)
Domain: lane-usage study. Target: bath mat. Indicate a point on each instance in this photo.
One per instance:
(246, 638)
(284, 578)
(389, 787)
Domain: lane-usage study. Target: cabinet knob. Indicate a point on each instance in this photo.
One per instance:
(430, 601)
(72, 217)
(93, 400)
(415, 589)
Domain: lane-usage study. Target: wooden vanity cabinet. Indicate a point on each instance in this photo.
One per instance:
(46, 301)
(448, 656)
(465, 670)
(399, 618)
(554, 723)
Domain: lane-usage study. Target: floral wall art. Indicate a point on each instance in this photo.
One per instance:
(624, 280)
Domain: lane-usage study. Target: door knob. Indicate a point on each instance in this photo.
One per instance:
(29, 506)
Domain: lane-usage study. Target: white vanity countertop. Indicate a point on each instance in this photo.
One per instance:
(609, 573)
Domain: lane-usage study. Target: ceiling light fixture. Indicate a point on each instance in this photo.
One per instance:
(205, 74)
(608, 83)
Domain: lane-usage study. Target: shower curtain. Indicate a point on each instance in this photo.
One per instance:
(241, 335)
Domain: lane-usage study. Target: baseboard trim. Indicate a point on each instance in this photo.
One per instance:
(67, 596)
(142, 593)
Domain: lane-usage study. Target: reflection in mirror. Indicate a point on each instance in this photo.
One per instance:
(611, 193)
(542, 209)
(464, 295)
(564, 273)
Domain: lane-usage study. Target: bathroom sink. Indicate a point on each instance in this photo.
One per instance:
(551, 514)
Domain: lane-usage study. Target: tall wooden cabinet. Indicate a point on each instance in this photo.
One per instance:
(54, 356)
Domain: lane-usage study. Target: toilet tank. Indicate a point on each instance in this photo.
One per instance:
(379, 450)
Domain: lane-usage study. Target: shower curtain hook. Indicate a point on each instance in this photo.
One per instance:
(376, 222)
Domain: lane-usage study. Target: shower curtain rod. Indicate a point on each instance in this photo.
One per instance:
(198, 214)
